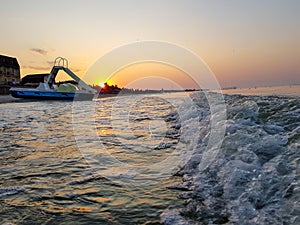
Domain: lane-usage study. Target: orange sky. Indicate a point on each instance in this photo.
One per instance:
(152, 76)
(245, 43)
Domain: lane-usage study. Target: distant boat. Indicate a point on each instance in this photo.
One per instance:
(49, 90)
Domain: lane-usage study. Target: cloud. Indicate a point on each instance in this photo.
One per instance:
(39, 50)
(50, 63)
(36, 67)
(76, 70)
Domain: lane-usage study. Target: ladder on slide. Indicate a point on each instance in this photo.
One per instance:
(62, 64)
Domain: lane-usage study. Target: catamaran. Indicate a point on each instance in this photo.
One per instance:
(49, 90)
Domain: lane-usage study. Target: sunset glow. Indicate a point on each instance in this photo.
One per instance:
(101, 84)
(149, 112)
(151, 74)
(245, 44)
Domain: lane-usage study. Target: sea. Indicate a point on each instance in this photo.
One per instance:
(113, 160)
(289, 90)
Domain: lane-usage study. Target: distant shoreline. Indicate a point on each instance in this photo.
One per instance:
(263, 91)
(285, 90)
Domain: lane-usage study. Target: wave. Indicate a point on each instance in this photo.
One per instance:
(5, 191)
(253, 178)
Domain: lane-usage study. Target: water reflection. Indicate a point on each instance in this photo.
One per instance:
(39, 155)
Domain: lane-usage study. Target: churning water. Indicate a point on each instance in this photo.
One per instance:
(111, 161)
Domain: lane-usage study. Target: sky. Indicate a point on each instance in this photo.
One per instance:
(244, 43)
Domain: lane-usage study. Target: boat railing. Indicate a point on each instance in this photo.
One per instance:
(60, 61)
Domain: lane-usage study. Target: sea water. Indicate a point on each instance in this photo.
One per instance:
(112, 160)
(54, 172)
(253, 176)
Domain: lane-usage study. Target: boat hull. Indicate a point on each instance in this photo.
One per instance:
(51, 95)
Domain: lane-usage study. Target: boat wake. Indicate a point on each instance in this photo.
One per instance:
(254, 178)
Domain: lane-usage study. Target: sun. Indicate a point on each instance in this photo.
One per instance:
(101, 84)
